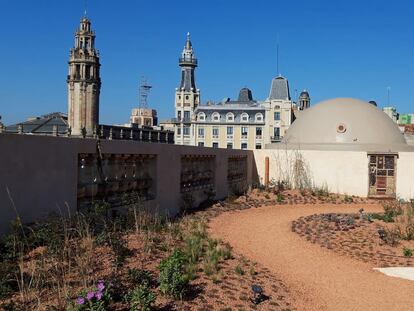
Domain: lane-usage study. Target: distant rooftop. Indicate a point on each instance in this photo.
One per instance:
(42, 125)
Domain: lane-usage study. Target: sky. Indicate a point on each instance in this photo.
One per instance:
(330, 48)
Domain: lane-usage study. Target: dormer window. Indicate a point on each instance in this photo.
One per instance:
(201, 116)
(259, 117)
(215, 117)
(230, 117)
(244, 117)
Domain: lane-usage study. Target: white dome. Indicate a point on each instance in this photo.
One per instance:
(344, 121)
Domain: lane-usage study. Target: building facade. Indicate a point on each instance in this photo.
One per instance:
(244, 123)
(143, 117)
(84, 82)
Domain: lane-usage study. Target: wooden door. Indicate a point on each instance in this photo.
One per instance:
(382, 171)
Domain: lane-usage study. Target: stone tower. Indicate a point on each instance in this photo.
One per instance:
(84, 82)
(304, 100)
(187, 96)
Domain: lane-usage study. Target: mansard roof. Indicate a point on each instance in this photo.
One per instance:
(279, 89)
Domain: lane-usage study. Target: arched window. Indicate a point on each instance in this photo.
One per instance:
(201, 116)
(215, 117)
(244, 117)
(230, 117)
(259, 117)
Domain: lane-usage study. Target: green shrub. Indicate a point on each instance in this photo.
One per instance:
(239, 270)
(348, 199)
(139, 277)
(408, 252)
(280, 198)
(382, 217)
(193, 248)
(172, 278)
(141, 298)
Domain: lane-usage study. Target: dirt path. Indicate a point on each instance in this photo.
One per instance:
(318, 278)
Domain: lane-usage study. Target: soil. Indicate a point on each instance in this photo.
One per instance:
(317, 278)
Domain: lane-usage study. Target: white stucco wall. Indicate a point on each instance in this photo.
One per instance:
(343, 172)
(405, 175)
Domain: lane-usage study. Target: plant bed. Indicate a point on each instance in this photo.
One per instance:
(357, 237)
(135, 257)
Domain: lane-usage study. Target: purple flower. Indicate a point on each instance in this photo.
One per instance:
(98, 295)
(100, 286)
(90, 295)
(80, 301)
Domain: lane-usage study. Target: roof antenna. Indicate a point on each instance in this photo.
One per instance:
(388, 95)
(86, 7)
(277, 55)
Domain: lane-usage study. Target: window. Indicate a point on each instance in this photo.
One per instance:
(259, 131)
(229, 130)
(229, 145)
(186, 115)
(215, 131)
(230, 117)
(179, 115)
(277, 116)
(186, 97)
(276, 132)
(201, 144)
(186, 130)
(201, 116)
(244, 146)
(259, 117)
(244, 117)
(258, 146)
(179, 131)
(215, 145)
(244, 130)
(215, 116)
(201, 132)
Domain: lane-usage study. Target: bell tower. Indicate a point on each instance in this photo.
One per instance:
(84, 82)
(187, 96)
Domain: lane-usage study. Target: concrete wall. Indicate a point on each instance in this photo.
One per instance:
(405, 175)
(40, 173)
(344, 172)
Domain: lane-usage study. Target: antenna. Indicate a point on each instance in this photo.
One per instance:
(86, 7)
(388, 95)
(144, 90)
(277, 55)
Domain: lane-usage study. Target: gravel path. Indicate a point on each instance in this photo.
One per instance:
(318, 279)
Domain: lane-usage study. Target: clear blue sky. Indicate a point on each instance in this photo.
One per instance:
(332, 48)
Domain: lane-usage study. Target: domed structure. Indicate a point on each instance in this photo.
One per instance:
(344, 121)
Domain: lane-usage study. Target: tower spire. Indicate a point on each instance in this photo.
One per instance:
(84, 82)
(188, 63)
(85, 14)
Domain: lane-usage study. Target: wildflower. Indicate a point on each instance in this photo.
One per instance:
(100, 286)
(98, 295)
(90, 295)
(80, 301)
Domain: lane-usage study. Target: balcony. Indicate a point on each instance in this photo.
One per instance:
(181, 120)
(186, 61)
(229, 136)
(259, 137)
(276, 138)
